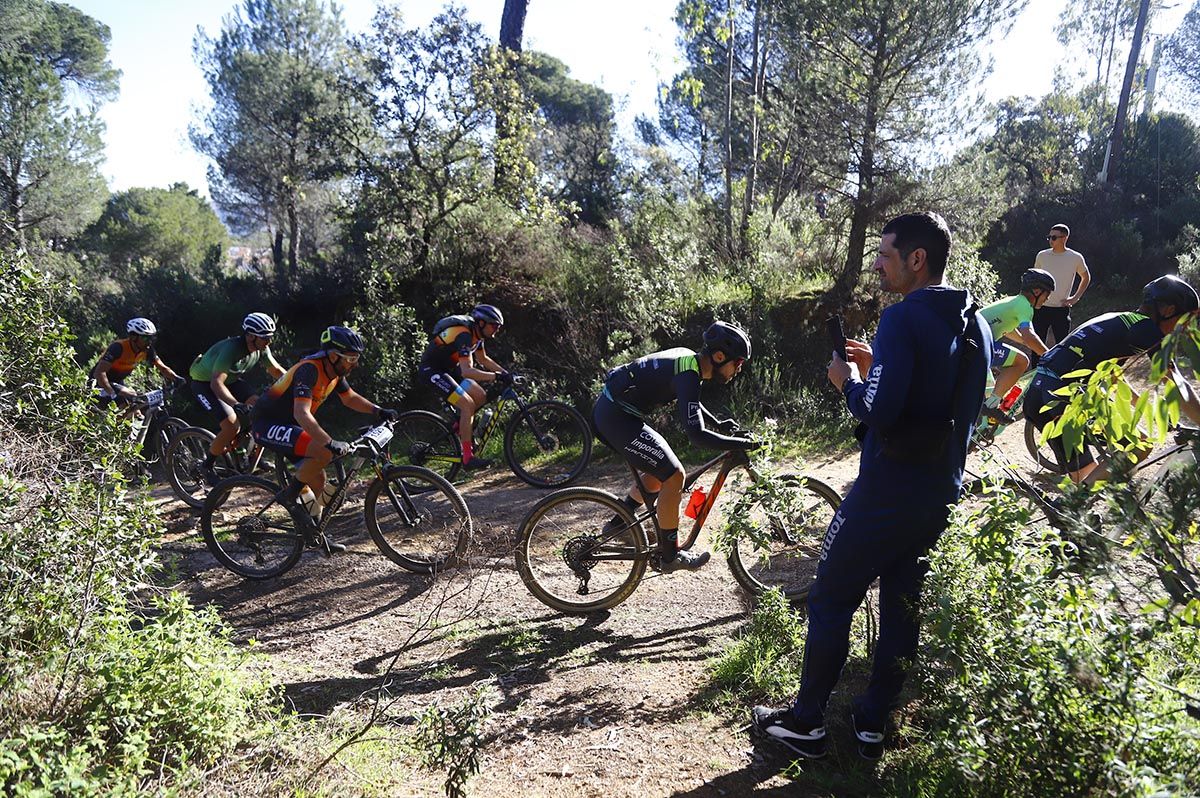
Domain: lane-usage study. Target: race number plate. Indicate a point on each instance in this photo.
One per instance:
(154, 398)
(380, 435)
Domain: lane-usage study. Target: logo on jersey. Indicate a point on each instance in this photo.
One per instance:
(873, 384)
(282, 433)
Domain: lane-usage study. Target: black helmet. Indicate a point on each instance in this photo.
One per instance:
(487, 313)
(1033, 279)
(342, 338)
(721, 336)
(1171, 290)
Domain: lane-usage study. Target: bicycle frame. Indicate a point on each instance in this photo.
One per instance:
(727, 461)
(509, 395)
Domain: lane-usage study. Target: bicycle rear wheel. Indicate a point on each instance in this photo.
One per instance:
(567, 559)
(417, 519)
(184, 462)
(421, 438)
(548, 444)
(248, 531)
(793, 543)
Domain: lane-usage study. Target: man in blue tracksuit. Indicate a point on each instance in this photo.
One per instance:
(910, 471)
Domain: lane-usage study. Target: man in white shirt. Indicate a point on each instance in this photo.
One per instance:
(1065, 264)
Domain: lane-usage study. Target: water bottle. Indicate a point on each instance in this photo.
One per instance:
(482, 419)
(1010, 398)
(695, 503)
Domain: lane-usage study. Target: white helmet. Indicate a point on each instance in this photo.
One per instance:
(259, 324)
(140, 326)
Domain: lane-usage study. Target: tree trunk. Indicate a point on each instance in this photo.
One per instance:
(512, 30)
(758, 65)
(277, 256)
(728, 143)
(512, 24)
(1118, 135)
(293, 236)
(864, 203)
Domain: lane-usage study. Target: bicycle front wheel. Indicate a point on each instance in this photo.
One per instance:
(417, 519)
(569, 560)
(548, 444)
(248, 531)
(184, 465)
(789, 548)
(422, 438)
(1041, 453)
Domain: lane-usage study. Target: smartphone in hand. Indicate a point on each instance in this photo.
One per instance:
(837, 336)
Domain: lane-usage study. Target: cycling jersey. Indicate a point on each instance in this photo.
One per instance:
(124, 360)
(312, 378)
(1109, 336)
(661, 378)
(230, 356)
(454, 341)
(1008, 315)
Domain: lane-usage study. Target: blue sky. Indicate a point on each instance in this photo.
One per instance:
(625, 46)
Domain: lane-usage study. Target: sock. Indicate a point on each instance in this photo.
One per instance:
(651, 499)
(292, 491)
(668, 544)
(468, 451)
(209, 459)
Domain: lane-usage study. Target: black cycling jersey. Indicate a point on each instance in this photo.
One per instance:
(1112, 335)
(658, 379)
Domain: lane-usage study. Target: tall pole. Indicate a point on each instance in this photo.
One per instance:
(1113, 167)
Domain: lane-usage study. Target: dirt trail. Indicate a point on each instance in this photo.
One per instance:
(613, 704)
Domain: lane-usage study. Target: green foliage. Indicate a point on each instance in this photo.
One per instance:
(1036, 683)
(766, 660)
(95, 698)
(173, 227)
(155, 696)
(968, 270)
(1183, 51)
(449, 739)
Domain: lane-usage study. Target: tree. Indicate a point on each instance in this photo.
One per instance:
(512, 31)
(275, 72)
(577, 159)
(49, 153)
(1183, 51)
(173, 227)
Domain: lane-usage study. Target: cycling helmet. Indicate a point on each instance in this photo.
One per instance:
(259, 324)
(1171, 290)
(1034, 279)
(721, 336)
(487, 313)
(342, 339)
(140, 326)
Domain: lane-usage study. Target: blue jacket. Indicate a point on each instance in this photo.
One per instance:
(912, 380)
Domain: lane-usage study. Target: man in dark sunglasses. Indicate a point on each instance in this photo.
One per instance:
(1065, 264)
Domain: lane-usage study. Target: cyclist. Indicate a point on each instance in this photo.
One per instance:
(123, 356)
(283, 419)
(1012, 317)
(673, 375)
(217, 380)
(1110, 336)
(456, 361)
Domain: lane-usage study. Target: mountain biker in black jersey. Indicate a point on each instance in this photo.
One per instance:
(283, 418)
(456, 361)
(673, 375)
(1111, 336)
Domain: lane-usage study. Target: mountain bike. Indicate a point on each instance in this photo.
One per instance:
(988, 429)
(185, 457)
(153, 426)
(574, 559)
(416, 518)
(547, 443)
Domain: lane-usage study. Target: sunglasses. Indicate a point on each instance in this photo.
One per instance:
(1054, 238)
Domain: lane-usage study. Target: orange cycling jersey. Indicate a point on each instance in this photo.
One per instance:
(449, 347)
(312, 378)
(123, 360)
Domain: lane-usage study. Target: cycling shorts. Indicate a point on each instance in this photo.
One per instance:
(289, 439)
(208, 400)
(451, 389)
(1003, 355)
(630, 436)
